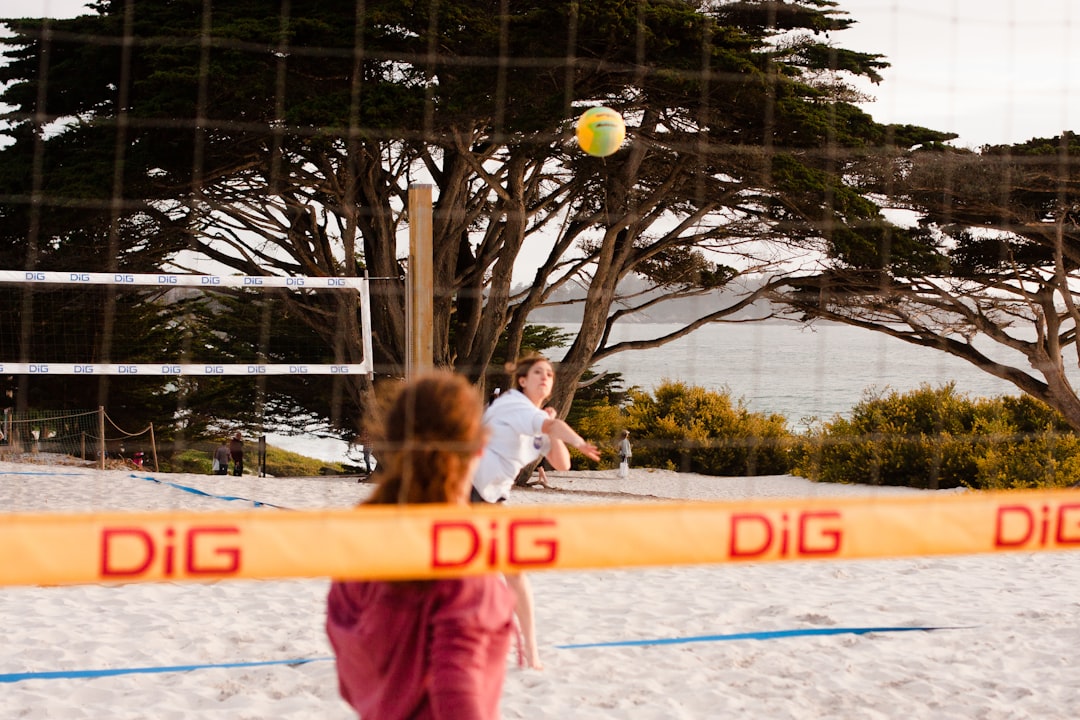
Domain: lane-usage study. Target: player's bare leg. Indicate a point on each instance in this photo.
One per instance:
(519, 584)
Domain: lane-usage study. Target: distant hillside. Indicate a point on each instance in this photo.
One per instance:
(562, 309)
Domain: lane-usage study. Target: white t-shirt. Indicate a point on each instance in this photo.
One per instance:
(515, 439)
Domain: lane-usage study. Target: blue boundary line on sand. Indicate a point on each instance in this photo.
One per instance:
(49, 473)
(185, 488)
(66, 674)
(196, 491)
(764, 635)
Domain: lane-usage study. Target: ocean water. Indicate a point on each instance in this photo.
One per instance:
(774, 367)
(797, 371)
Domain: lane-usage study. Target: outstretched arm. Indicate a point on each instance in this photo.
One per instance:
(561, 436)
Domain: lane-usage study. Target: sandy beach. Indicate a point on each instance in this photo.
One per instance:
(847, 639)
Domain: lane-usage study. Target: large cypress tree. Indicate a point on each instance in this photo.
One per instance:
(285, 143)
(989, 271)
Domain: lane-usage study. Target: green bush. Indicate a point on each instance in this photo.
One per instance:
(190, 461)
(283, 463)
(937, 438)
(691, 429)
(602, 424)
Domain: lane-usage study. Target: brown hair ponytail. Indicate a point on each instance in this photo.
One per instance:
(429, 435)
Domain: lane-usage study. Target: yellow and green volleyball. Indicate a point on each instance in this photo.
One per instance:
(600, 131)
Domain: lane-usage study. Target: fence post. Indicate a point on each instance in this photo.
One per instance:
(153, 447)
(101, 431)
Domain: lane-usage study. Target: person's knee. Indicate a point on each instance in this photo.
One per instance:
(520, 585)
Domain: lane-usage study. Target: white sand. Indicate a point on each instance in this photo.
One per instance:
(1012, 653)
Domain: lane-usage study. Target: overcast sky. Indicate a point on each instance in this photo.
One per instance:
(993, 71)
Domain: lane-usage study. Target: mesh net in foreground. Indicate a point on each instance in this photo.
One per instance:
(231, 142)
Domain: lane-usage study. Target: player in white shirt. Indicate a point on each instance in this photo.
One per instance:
(522, 431)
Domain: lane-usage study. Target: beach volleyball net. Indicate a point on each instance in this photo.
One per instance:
(195, 201)
(167, 347)
(197, 324)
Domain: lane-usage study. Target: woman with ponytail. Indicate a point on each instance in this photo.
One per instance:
(523, 431)
(430, 648)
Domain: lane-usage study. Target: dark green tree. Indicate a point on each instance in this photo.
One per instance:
(285, 143)
(987, 274)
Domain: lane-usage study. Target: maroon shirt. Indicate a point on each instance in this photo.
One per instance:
(435, 649)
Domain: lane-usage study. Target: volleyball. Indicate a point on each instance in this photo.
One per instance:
(600, 131)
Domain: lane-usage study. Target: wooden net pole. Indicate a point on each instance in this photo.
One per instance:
(420, 301)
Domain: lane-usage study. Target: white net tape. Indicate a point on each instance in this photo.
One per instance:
(202, 281)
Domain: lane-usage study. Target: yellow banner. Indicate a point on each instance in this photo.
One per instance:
(439, 541)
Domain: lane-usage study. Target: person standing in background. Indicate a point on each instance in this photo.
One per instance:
(221, 459)
(236, 452)
(365, 440)
(624, 455)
